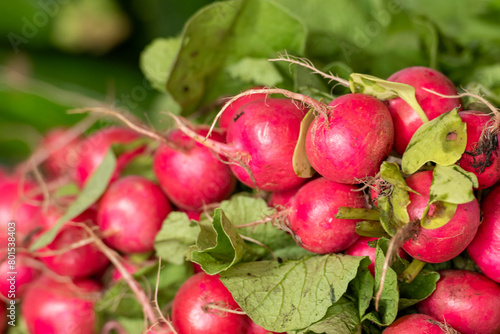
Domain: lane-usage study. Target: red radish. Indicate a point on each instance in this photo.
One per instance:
(25, 271)
(443, 243)
(191, 312)
(416, 324)
(406, 120)
(256, 329)
(133, 209)
(16, 206)
(485, 248)
(282, 199)
(194, 215)
(353, 141)
(484, 162)
(466, 300)
(55, 307)
(197, 268)
(92, 150)
(313, 220)
(80, 262)
(63, 154)
(362, 248)
(190, 174)
(268, 130)
(232, 110)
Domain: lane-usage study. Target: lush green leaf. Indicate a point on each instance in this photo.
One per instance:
(290, 295)
(441, 140)
(420, 288)
(341, 318)
(176, 236)
(219, 246)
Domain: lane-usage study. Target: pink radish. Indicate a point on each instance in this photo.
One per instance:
(406, 120)
(51, 306)
(313, 221)
(232, 110)
(417, 324)
(351, 144)
(190, 174)
(92, 150)
(466, 300)
(192, 310)
(63, 155)
(16, 206)
(485, 248)
(484, 162)
(26, 271)
(132, 209)
(268, 131)
(443, 243)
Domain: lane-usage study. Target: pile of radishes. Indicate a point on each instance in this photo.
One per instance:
(424, 174)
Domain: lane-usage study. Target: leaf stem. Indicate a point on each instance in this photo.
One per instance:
(412, 270)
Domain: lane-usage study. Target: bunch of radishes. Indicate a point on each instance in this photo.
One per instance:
(308, 158)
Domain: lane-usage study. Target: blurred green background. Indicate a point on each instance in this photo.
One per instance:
(56, 53)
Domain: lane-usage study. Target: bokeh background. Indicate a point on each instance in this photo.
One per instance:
(55, 54)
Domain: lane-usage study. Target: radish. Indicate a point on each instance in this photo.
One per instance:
(362, 248)
(353, 141)
(26, 272)
(485, 248)
(79, 262)
(199, 307)
(190, 174)
(92, 150)
(482, 160)
(282, 199)
(16, 206)
(132, 209)
(406, 120)
(443, 243)
(268, 131)
(63, 155)
(60, 307)
(232, 110)
(417, 324)
(256, 329)
(466, 300)
(313, 221)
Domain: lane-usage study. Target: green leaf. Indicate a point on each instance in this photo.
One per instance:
(131, 325)
(357, 213)
(451, 185)
(258, 71)
(385, 90)
(242, 209)
(219, 246)
(441, 140)
(341, 318)
(301, 165)
(157, 59)
(388, 304)
(362, 287)
(221, 35)
(304, 82)
(393, 212)
(291, 295)
(94, 188)
(176, 236)
(422, 286)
